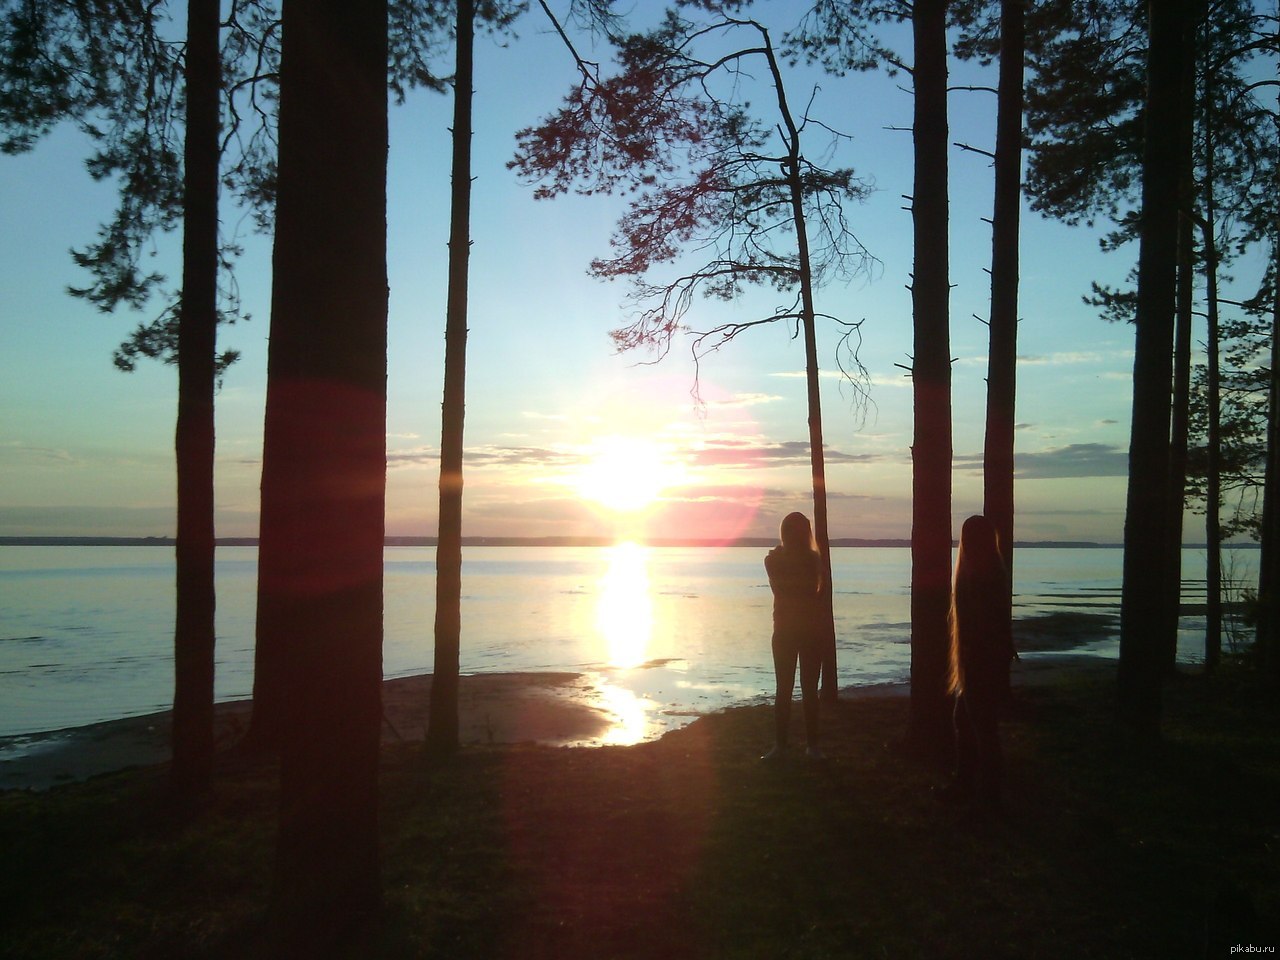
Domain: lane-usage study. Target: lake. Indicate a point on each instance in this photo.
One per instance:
(658, 634)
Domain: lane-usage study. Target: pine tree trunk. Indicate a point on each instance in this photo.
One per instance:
(193, 640)
(1144, 599)
(324, 470)
(1213, 466)
(1178, 446)
(930, 725)
(442, 729)
(830, 687)
(1181, 400)
(1002, 365)
(1268, 634)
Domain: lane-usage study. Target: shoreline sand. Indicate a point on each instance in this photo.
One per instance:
(499, 708)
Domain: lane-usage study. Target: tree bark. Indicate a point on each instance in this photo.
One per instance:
(194, 632)
(830, 687)
(1181, 400)
(442, 728)
(324, 469)
(1002, 364)
(1213, 466)
(1144, 601)
(1268, 633)
(930, 724)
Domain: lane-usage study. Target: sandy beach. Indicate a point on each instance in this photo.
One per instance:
(546, 708)
(500, 708)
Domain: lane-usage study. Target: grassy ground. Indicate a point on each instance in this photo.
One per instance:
(691, 847)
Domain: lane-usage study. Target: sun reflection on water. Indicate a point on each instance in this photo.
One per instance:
(624, 611)
(630, 715)
(624, 620)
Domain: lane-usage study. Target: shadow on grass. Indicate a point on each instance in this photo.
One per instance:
(691, 847)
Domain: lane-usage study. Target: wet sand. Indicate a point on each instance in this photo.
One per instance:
(548, 708)
(545, 708)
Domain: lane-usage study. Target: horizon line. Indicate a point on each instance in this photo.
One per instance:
(555, 541)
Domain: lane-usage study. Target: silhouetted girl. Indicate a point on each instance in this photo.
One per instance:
(795, 577)
(981, 649)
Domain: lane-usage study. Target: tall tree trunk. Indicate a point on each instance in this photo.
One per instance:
(442, 729)
(1268, 630)
(1181, 400)
(1268, 635)
(830, 689)
(1178, 446)
(1144, 600)
(930, 725)
(1213, 466)
(1002, 364)
(324, 468)
(193, 639)
(830, 686)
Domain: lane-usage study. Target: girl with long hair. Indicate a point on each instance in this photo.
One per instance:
(795, 577)
(981, 651)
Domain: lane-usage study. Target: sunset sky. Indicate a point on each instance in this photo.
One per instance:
(553, 414)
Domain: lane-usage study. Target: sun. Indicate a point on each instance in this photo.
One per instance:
(627, 474)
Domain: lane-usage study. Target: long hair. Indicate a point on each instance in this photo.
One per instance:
(795, 533)
(979, 596)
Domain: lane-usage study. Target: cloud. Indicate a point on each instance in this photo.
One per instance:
(745, 400)
(800, 374)
(420, 456)
(1058, 512)
(77, 520)
(521, 456)
(1076, 460)
(891, 380)
(1074, 357)
(1073, 460)
(30, 451)
(728, 453)
(488, 456)
(543, 510)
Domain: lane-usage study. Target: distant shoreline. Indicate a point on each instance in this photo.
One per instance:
(755, 542)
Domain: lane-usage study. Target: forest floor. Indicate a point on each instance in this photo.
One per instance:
(690, 846)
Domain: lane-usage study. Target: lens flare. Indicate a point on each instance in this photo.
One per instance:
(628, 474)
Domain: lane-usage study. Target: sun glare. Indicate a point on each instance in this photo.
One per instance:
(627, 474)
(624, 611)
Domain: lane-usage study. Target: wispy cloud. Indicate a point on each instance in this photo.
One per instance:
(77, 520)
(745, 400)
(1073, 460)
(1073, 357)
(728, 452)
(489, 456)
(1076, 460)
(800, 374)
(22, 449)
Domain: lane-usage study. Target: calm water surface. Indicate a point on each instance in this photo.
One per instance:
(658, 634)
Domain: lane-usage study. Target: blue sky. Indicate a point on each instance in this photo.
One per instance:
(85, 449)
